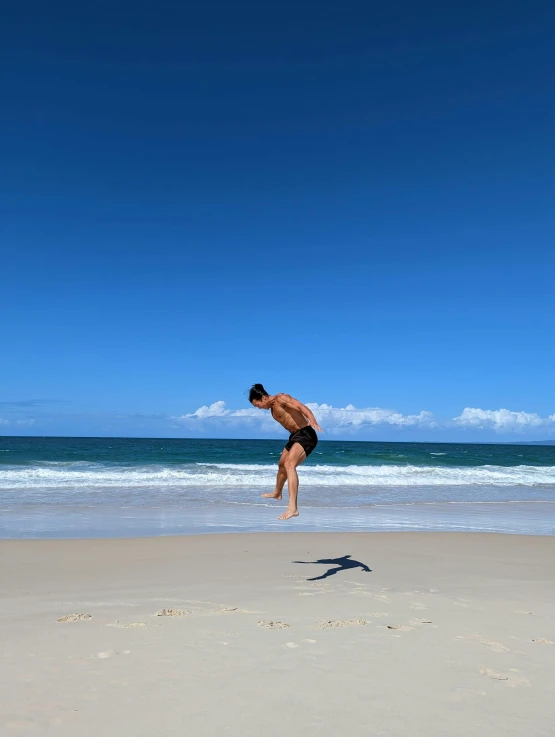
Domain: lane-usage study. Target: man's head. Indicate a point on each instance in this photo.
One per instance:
(259, 397)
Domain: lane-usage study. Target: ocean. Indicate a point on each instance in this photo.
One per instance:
(121, 487)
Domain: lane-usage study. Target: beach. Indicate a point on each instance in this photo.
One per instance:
(445, 634)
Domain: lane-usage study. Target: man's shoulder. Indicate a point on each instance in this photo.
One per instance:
(285, 399)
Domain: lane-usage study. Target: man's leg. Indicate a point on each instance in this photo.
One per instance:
(294, 459)
(281, 478)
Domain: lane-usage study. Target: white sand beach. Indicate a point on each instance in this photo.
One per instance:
(446, 634)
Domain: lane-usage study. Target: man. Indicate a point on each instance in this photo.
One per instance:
(300, 422)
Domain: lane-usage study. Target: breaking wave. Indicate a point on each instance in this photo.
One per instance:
(99, 475)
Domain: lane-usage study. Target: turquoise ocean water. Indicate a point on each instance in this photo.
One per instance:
(103, 487)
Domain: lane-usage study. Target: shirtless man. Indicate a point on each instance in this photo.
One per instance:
(300, 422)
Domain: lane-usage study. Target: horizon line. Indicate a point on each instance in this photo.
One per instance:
(278, 440)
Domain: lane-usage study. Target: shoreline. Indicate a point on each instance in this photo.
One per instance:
(254, 533)
(273, 632)
(49, 521)
(257, 533)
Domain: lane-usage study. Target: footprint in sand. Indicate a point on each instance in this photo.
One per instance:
(543, 641)
(301, 591)
(496, 647)
(172, 613)
(131, 625)
(495, 675)
(274, 625)
(74, 618)
(234, 610)
(512, 680)
(110, 654)
(215, 610)
(379, 597)
(341, 623)
(420, 622)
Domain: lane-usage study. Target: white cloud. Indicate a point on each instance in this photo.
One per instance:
(351, 416)
(217, 412)
(351, 419)
(329, 417)
(501, 419)
(216, 409)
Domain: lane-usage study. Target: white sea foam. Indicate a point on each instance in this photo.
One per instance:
(98, 475)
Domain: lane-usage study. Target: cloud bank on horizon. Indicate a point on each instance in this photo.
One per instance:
(217, 420)
(336, 420)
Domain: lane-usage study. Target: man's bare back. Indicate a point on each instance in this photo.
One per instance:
(287, 411)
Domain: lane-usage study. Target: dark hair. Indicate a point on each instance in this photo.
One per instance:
(257, 392)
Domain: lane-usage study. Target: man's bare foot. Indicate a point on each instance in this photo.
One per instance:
(273, 495)
(289, 513)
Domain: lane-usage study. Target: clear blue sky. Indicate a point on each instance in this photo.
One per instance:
(352, 202)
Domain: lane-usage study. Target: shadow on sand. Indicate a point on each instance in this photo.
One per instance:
(346, 563)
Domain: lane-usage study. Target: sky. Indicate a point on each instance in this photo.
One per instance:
(349, 202)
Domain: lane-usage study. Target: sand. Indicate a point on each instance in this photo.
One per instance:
(447, 634)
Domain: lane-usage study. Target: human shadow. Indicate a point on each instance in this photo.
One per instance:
(343, 564)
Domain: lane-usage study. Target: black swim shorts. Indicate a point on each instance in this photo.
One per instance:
(306, 437)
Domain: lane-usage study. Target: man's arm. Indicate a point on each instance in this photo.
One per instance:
(295, 404)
